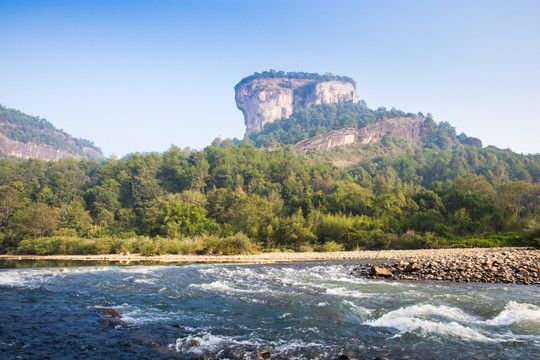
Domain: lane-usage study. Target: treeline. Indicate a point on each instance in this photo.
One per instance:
(273, 74)
(26, 128)
(228, 198)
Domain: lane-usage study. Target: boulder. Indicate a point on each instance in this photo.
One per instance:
(379, 271)
(106, 312)
(412, 267)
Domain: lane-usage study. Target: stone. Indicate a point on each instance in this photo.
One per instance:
(193, 342)
(264, 353)
(106, 312)
(111, 323)
(233, 353)
(379, 272)
(412, 267)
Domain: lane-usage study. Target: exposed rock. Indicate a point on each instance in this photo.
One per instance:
(379, 272)
(264, 353)
(193, 342)
(411, 267)
(515, 266)
(263, 101)
(30, 149)
(24, 136)
(405, 127)
(106, 312)
(111, 322)
(233, 353)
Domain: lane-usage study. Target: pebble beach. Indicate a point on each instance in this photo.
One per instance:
(495, 265)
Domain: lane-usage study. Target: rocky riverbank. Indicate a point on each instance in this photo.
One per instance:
(494, 265)
(405, 255)
(515, 266)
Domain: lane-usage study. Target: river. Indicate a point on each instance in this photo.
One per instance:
(284, 310)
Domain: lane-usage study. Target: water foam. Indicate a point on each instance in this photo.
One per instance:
(515, 313)
(26, 278)
(428, 320)
(343, 292)
(208, 344)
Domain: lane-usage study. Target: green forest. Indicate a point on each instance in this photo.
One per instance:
(233, 198)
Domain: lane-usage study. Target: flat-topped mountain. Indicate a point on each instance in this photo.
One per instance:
(264, 98)
(25, 136)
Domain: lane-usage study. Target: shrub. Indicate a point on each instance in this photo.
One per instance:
(109, 245)
(237, 244)
(146, 246)
(331, 246)
(190, 246)
(531, 235)
(64, 245)
(168, 246)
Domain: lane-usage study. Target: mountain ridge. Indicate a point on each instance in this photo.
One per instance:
(25, 136)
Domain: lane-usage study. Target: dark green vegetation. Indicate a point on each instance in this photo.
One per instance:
(18, 126)
(320, 119)
(272, 74)
(228, 198)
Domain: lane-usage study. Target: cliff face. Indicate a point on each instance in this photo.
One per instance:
(266, 100)
(405, 127)
(9, 147)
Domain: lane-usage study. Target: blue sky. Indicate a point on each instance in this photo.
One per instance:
(142, 75)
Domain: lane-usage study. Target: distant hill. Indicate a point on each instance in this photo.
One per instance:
(412, 147)
(25, 136)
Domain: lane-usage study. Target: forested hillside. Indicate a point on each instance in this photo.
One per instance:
(320, 119)
(235, 198)
(23, 128)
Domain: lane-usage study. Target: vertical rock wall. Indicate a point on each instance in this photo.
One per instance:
(265, 100)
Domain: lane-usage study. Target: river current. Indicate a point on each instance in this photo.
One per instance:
(288, 310)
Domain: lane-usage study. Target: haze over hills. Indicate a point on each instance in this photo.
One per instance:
(25, 136)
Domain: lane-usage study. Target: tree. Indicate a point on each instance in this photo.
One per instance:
(171, 217)
(74, 216)
(9, 203)
(36, 220)
(515, 195)
(251, 215)
(293, 232)
(351, 199)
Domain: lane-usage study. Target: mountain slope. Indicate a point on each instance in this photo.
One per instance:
(25, 136)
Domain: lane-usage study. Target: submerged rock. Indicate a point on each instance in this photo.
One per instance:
(111, 316)
(112, 323)
(106, 312)
(193, 342)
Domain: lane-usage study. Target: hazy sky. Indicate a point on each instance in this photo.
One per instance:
(142, 75)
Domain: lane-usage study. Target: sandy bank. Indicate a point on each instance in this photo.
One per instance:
(406, 255)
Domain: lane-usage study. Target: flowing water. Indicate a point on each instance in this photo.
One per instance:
(290, 310)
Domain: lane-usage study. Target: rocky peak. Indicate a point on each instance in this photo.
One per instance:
(264, 100)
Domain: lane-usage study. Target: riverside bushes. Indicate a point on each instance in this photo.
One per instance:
(65, 245)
